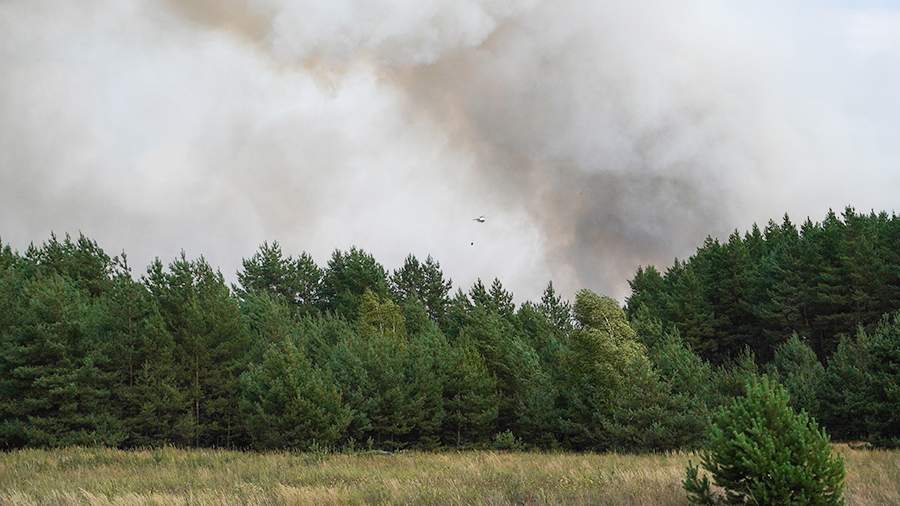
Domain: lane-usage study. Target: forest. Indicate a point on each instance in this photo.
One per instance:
(296, 355)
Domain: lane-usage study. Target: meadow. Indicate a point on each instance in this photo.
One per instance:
(171, 476)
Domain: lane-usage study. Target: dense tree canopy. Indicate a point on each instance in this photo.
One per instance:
(295, 355)
(820, 280)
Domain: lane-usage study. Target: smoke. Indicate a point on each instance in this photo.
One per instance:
(596, 136)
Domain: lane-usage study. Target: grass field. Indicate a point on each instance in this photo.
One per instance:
(174, 477)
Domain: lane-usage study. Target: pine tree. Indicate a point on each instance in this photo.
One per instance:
(436, 290)
(346, 279)
(691, 313)
(831, 296)
(762, 452)
(55, 389)
(731, 378)
(211, 343)
(648, 327)
(470, 397)
(267, 320)
(648, 289)
(541, 334)
(416, 319)
(859, 395)
(864, 268)
(267, 271)
(685, 391)
(479, 295)
(682, 369)
(385, 383)
(424, 282)
(307, 284)
(844, 401)
(295, 280)
(557, 311)
(796, 366)
(8, 257)
(501, 300)
(287, 403)
(507, 356)
(427, 373)
(141, 358)
(457, 315)
(81, 261)
(883, 424)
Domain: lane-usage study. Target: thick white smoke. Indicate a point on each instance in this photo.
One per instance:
(594, 135)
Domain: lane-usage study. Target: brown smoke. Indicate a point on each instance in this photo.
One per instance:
(596, 136)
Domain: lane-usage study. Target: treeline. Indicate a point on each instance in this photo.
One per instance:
(821, 280)
(298, 355)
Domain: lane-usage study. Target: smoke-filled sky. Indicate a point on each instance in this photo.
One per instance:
(594, 135)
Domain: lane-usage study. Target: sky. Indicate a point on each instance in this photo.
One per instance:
(595, 136)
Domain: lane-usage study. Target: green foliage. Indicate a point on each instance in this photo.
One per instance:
(268, 320)
(390, 382)
(379, 317)
(761, 451)
(347, 278)
(457, 314)
(296, 356)
(513, 362)
(470, 396)
(730, 380)
(506, 440)
(685, 394)
(54, 380)
(287, 403)
(859, 394)
(212, 346)
(609, 377)
(423, 282)
(294, 280)
(141, 354)
(557, 311)
(820, 280)
(797, 368)
(883, 423)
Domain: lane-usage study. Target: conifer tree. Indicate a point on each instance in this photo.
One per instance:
(883, 423)
(470, 397)
(295, 280)
(427, 373)
(141, 355)
(55, 386)
(211, 344)
(347, 277)
(287, 403)
(457, 315)
(762, 452)
(267, 320)
(501, 300)
(512, 361)
(81, 261)
(686, 391)
(647, 289)
(797, 368)
(557, 311)
(859, 394)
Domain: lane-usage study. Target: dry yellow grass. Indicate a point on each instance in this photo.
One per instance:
(208, 477)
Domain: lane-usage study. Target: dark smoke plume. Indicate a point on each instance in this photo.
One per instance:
(596, 136)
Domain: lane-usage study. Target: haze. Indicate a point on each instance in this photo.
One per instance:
(595, 136)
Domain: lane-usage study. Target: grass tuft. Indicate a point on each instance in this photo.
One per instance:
(170, 476)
